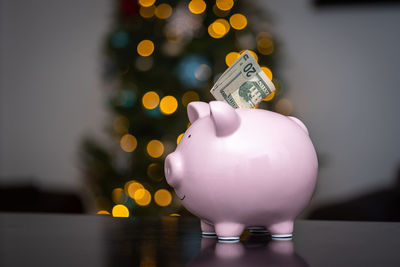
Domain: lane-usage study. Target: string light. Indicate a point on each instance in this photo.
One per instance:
(163, 197)
(145, 48)
(212, 33)
(126, 186)
(155, 148)
(179, 138)
(142, 197)
(265, 46)
(163, 11)
(139, 193)
(197, 6)
(150, 100)
(189, 96)
(175, 215)
(120, 211)
(147, 3)
(224, 23)
(231, 57)
(168, 105)
(117, 195)
(147, 12)
(128, 143)
(253, 54)
(133, 187)
(103, 212)
(267, 72)
(218, 28)
(270, 96)
(224, 4)
(238, 21)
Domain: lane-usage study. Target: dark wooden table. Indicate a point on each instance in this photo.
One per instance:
(84, 240)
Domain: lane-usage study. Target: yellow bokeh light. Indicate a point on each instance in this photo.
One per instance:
(145, 48)
(103, 212)
(155, 148)
(163, 197)
(128, 143)
(133, 187)
(121, 124)
(225, 23)
(238, 21)
(147, 3)
(212, 33)
(224, 4)
(267, 72)
(231, 57)
(175, 215)
(150, 100)
(253, 54)
(265, 46)
(218, 28)
(142, 197)
(189, 96)
(270, 96)
(120, 211)
(163, 11)
(179, 138)
(147, 12)
(188, 125)
(139, 194)
(197, 6)
(168, 105)
(126, 186)
(118, 195)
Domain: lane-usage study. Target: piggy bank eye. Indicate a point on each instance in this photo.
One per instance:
(189, 135)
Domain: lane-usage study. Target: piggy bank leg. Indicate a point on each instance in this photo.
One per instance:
(281, 230)
(229, 232)
(207, 230)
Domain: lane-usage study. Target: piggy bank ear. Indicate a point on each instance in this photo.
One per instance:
(197, 110)
(225, 118)
(300, 123)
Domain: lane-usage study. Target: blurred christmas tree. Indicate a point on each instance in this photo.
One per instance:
(161, 56)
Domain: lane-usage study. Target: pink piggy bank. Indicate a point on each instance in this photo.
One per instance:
(243, 168)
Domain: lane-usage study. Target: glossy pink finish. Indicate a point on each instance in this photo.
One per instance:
(239, 168)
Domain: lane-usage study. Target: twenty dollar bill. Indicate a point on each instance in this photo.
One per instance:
(243, 84)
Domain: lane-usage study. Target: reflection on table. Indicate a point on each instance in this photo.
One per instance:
(256, 251)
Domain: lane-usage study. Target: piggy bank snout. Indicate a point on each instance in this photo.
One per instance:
(173, 169)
